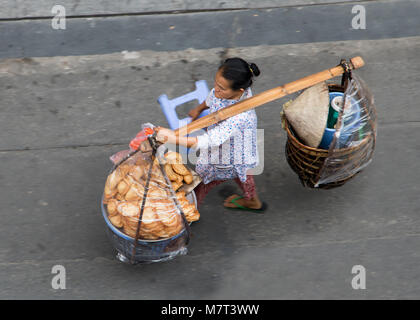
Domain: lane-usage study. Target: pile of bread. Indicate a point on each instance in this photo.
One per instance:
(176, 171)
(123, 196)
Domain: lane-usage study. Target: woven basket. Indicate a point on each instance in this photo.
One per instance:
(307, 162)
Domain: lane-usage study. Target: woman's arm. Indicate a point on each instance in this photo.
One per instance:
(214, 137)
(203, 106)
(168, 136)
(188, 142)
(194, 113)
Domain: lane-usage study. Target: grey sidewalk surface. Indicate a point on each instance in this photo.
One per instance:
(206, 30)
(17, 9)
(63, 117)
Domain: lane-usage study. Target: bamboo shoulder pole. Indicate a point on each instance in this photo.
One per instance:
(267, 96)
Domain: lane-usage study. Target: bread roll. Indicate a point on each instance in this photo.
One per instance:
(128, 209)
(150, 225)
(109, 193)
(163, 205)
(124, 169)
(113, 179)
(180, 169)
(181, 194)
(191, 213)
(172, 223)
(135, 192)
(157, 193)
(130, 213)
(157, 179)
(116, 220)
(119, 197)
(179, 178)
(173, 157)
(136, 172)
(176, 185)
(123, 187)
(112, 207)
(170, 173)
(188, 178)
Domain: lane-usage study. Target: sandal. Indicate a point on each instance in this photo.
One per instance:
(240, 207)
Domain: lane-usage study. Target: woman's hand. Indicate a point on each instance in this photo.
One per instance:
(165, 135)
(194, 113)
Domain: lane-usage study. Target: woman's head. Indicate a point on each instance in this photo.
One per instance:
(233, 77)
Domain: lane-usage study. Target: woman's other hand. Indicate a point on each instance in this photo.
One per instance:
(194, 113)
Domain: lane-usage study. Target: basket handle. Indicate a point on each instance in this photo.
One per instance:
(268, 96)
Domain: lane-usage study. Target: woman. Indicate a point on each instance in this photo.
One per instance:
(228, 149)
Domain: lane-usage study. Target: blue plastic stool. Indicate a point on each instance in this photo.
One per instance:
(169, 106)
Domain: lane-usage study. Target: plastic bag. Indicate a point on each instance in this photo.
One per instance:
(137, 197)
(117, 157)
(354, 137)
(134, 144)
(348, 141)
(125, 190)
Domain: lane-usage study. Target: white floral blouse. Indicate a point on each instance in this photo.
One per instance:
(229, 148)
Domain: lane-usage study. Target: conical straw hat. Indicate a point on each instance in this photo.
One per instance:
(308, 114)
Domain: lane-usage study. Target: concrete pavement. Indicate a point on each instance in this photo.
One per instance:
(27, 9)
(206, 30)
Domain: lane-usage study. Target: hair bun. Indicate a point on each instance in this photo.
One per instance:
(255, 70)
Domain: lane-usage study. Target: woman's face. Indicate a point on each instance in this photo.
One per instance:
(222, 88)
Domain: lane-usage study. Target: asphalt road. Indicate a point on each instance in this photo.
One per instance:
(62, 117)
(205, 30)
